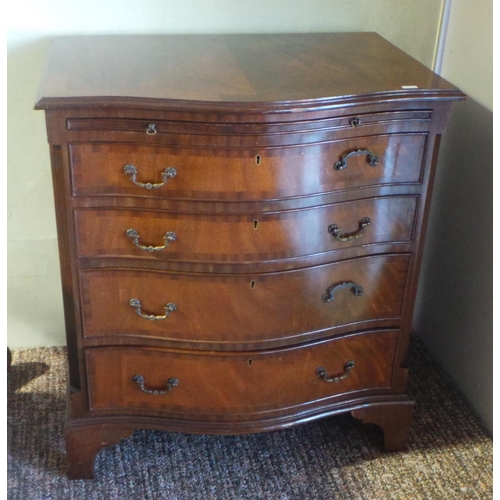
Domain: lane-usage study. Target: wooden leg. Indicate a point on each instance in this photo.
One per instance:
(394, 419)
(84, 442)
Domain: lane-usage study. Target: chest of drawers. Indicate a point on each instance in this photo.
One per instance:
(240, 223)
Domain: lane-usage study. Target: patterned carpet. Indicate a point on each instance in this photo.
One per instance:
(449, 455)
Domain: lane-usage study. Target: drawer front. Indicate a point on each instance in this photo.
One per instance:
(255, 238)
(228, 384)
(242, 308)
(244, 174)
(152, 126)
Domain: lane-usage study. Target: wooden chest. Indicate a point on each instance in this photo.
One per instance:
(240, 223)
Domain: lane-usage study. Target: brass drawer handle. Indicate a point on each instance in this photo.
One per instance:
(335, 231)
(168, 238)
(329, 295)
(372, 159)
(171, 383)
(151, 130)
(136, 304)
(168, 173)
(323, 374)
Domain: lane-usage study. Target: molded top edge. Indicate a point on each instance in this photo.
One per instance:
(247, 72)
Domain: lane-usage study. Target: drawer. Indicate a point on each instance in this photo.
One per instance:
(228, 384)
(245, 174)
(229, 126)
(251, 308)
(252, 238)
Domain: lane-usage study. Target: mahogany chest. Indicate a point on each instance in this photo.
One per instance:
(240, 223)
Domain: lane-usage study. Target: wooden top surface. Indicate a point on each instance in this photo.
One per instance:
(163, 70)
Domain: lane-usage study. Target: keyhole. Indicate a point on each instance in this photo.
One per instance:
(255, 224)
(249, 362)
(252, 284)
(257, 160)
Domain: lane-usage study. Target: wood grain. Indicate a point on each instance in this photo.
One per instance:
(253, 125)
(233, 68)
(243, 308)
(233, 174)
(260, 237)
(225, 384)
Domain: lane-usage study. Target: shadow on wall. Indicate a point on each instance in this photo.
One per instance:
(453, 314)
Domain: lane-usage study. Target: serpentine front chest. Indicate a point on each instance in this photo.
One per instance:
(240, 223)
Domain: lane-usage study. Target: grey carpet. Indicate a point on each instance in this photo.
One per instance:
(449, 455)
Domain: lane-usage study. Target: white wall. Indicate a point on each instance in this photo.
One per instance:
(454, 306)
(34, 299)
(468, 49)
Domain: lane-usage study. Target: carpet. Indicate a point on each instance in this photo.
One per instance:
(449, 456)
